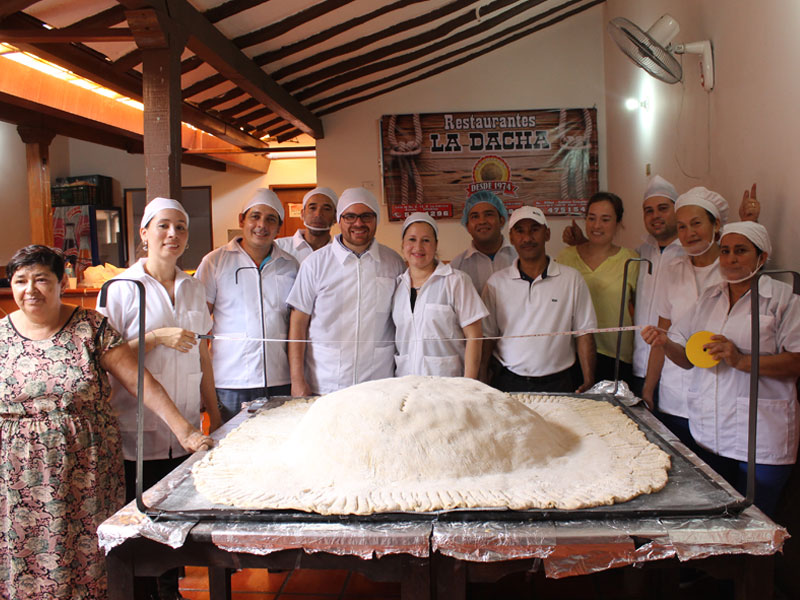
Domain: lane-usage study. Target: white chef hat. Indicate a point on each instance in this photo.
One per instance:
(321, 190)
(755, 232)
(527, 212)
(420, 217)
(358, 195)
(157, 204)
(706, 199)
(658, 186)
(266, 197)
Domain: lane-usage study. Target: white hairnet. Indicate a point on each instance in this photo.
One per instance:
(266, 197)
(323, 191)
(755, 232)
(358, 195)
(420, 217)
(658, 186)
(158, 204)
(706, 199)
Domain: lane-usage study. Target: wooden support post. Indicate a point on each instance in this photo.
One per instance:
(37, 142)
(162, 44)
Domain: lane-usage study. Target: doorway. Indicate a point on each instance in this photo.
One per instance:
(291, 197)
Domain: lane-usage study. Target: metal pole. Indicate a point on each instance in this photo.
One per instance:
(263, 325)
(622, 313)
(139, 385)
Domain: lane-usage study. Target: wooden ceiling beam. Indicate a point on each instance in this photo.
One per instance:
(203, 85)
(439, 43)
(230, 113)
(84, 62)
(441, 68)
(65, 36)
(107, 18)
(246, 119)
(219, 52)
(128, 61)
(437, 33)
(230, 8)
(290, 135)
(9, 7)
(273, 30)
(312, 40)
(395, 29)
(221, 99)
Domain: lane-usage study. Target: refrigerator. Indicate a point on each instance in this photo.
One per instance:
(89, 235)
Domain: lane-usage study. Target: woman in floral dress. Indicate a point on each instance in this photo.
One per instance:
(60, 453)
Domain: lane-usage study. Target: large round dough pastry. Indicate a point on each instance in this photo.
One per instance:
(416, 444)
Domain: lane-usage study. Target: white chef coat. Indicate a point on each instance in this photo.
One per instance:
(349, 298)
(719, 397)
(558, 302)
(649, 288)
(238, 364)
(446, 303)
(683, 284)
(480, 267)
(178, 372)
(296, 245)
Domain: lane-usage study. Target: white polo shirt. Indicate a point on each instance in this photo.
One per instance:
(296, 245)
(446, 303)
(719, 397)
(178, 372)
(480, 267)
(239, 364)
(649, 288)
(560, 301)
(683, 284)
(349, 299)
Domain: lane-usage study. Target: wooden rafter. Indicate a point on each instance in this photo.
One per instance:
(439, 43)
(230, 8)
(270, 56)
(9, 7)
(312, 40)
(209, 44)
(273, 30)
(231, 112)
(444, 67)
(203, 85)
(63, 36)
(247, 118)
(89, 64)
(222, 98)
(395, 29)
(107, 18)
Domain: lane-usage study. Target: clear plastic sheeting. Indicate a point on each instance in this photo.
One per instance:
(364, 540)
(569, 548)
(129, 522)
(624, 393)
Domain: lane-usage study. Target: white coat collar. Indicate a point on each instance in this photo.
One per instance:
(766, 288)
(651, 241)
(441, 270)
(277, 252)
(138, 269)
(343, 253)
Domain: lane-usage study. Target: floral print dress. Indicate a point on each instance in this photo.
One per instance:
(60, 459)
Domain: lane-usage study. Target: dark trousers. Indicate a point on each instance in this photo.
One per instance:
(564, 382)
(604, 369)
(230, 400)
(153, 471)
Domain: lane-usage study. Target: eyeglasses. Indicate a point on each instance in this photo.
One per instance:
(366, 218)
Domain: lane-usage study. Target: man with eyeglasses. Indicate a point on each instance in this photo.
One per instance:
(342, 304)
(247, 282)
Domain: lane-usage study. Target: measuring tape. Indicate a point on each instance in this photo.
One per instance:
(578, 332)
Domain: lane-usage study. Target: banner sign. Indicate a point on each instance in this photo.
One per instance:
(544, 158)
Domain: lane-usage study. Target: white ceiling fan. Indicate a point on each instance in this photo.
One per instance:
(653, 50)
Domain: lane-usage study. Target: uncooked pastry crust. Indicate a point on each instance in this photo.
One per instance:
(419, 444)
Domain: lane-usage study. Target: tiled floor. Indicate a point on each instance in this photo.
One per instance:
(301, 584)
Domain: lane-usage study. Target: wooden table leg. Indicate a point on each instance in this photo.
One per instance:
(416, 582)
(120, 575)
(219, 583)
(450, 578)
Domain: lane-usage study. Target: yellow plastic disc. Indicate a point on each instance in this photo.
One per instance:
(695, 353)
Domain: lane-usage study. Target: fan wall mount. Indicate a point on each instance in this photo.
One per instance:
(653, 51)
